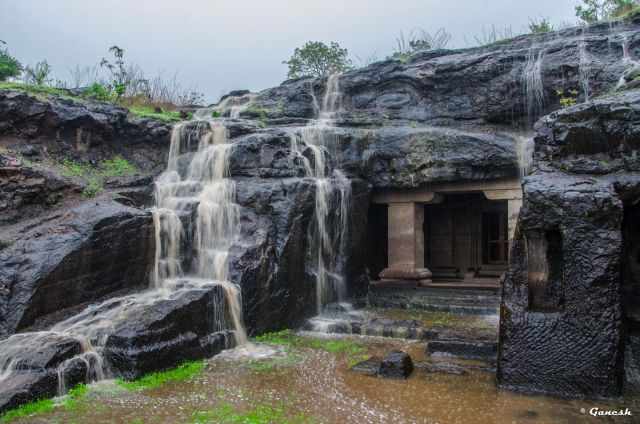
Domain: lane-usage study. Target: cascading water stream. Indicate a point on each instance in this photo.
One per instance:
(584, 69)
(333, 193)
(533, 85)
(203, 182)
(193, 180)
(628, 63)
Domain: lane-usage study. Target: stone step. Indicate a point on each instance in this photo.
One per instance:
(467, 349)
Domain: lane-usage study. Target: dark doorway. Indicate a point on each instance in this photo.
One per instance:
(377, 242)
(466, 238)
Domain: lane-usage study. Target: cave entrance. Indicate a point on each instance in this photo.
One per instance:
(455, 234)
(631, 263)
(466, 239)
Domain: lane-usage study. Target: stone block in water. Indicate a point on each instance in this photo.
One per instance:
(396, 364)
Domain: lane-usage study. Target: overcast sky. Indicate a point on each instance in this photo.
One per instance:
(217, 45)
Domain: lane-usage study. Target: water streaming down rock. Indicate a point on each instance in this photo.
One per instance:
(195, 180)
(533, 85)
(525, 150)
(631, 68)
(333, 192)
(231, 106)
(202, 182)
(584, 67)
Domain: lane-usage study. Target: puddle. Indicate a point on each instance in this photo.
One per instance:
(315, 385)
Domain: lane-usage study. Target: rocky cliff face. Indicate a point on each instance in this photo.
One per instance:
(440, 117)
(565, 332)
(487, 85)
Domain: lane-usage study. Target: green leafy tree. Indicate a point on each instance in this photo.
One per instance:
(9, 65)
(597, 10)
(540, 26)
(39, 74)
(316, 59)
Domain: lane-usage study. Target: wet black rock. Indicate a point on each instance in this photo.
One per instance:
(562, 331)
(167, 332)
(444, 368)
(452, 87)
(26, 192)
(85, 130)
(36, 375)
(598, 137)
(368, 367)
(76, 256)
(468, 349)
(396, 364)
(271, 265)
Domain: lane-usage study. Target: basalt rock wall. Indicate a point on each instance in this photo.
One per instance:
(564, 325)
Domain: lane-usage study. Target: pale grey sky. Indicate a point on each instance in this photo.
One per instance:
(218, 45)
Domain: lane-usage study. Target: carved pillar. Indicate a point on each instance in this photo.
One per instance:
(406, 243)
(513, 210)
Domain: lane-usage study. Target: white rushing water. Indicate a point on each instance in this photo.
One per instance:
(628, 63)
(533, 85)
(333, 194)
(525, 150)
(230, 106)
(584, 69)
(195, 178)
(203, 182)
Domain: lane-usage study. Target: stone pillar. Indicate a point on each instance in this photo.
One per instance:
(513, 210)
(406, 243)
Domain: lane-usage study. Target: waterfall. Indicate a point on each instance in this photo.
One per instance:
(584, 68)
(525, 149)
(533, 86)
(628, 62)
(231, 106)
(202, 183)
(196, 178)
(333, 193)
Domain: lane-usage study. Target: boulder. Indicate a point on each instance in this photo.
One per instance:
(35, 375)
(156, 332)
(396, 364)
(73, 257)
(368, 367)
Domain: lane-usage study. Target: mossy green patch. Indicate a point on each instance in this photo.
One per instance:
(151, 381)
(93, 176)
(71, 402)
(261, 414)
(117, 167)
(149, 112)
(352, 350)
(74, 396)
(28, 410)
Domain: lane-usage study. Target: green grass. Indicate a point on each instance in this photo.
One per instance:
(139, 111)
(149, 112)
(354, 352)
(74, 396)
(37, 89)
(93, 176)
(34, 408)
(261, 414)
(43, 406)
(117, 167)
(157, 379)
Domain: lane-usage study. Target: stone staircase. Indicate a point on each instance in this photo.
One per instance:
(467, 301)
